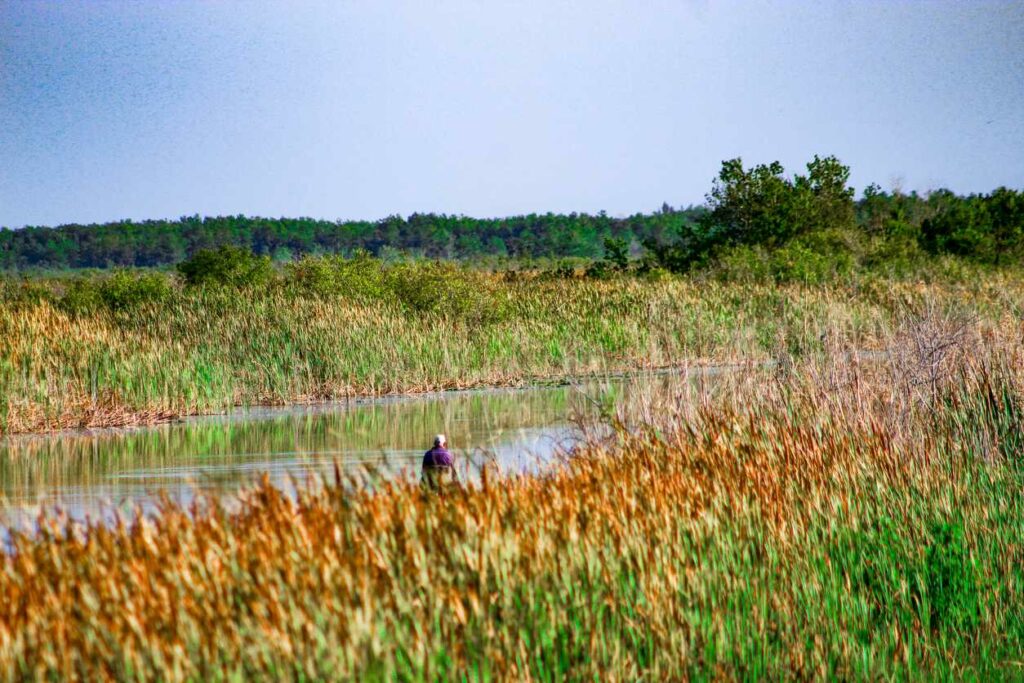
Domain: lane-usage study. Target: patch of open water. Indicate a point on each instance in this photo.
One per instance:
(95, 474)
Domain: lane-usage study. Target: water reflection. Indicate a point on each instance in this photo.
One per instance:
(87, 474)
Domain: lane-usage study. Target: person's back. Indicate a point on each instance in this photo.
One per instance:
(438, 464)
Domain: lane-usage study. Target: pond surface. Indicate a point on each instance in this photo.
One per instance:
(90, 475)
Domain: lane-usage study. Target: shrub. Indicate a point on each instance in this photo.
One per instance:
(362, 278)
(317, 275)
(125, 289)
(444, 288)
(743, 264)
(811, 260)
(616, 253)
(616, 259)
(599, 270)
(564, 269)
(227, 265)
(654, 274)
(81, 296)
(897, 250)
(419, 286)
(761, 207)
(795, 262)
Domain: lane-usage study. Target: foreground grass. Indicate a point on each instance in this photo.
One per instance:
(838, 520)
(66, 362)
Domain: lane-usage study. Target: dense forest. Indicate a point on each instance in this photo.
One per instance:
(159, 242)
(758, 209)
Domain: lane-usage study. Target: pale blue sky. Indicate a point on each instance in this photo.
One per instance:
(362, 109)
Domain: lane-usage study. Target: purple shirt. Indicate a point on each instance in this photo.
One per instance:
(438, 456)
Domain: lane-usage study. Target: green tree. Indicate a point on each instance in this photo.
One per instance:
(1005, 209)
(749, 206)
(823, 200)
(958, 226)
(761, 207)
(616, 253)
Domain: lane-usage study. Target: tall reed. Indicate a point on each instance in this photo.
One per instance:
(71, 360)
(829, 519)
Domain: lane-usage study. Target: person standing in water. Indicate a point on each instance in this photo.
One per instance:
(438, 464)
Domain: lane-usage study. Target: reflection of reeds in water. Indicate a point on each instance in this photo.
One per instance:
(221, 454)
(831, 521)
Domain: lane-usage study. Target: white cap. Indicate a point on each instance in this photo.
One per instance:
(439, 440)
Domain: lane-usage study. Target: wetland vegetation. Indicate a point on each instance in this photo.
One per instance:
(86, 357)
(836, 519)
(770, 266)
(824, 515)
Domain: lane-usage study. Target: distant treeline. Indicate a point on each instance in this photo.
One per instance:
(750, 215)
(160, 242)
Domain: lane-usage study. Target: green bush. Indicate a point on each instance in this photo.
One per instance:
(796, 262)
(444, 288)
(897, 250)
(227, 265)
(599, 270)
(125, 289)
(615, 261)
(565, 269)
(81, 296)
(312, 275)
(122, 290)
(654, 274)
(419, 286)
(616, 253)
(362, 278)
(743, 264)
(813, 259)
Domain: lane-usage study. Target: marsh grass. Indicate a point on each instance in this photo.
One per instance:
(108, 350)
(806, 525)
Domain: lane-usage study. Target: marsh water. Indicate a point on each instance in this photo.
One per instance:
(93, 475)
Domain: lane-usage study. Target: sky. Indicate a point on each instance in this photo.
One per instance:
(359, 110)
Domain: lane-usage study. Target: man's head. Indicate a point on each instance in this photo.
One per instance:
(440, 441)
